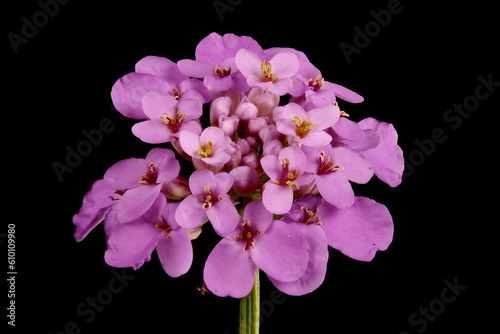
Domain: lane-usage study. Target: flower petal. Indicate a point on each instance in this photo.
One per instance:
(223, 215)
(189, 213)
(135, 202)
(281, 253)
(277, 198)
(125, 173)
(156, 104)
(128, 91)
(175, 253)
(316, 267)
(229, 271)
(194, 68)
(360, 230)
(335, 189)
(131, 244)
(96, 204)
(152, 132)
(248, 63)
(284, 65)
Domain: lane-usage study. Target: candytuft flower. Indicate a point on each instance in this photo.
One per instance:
(273, 155)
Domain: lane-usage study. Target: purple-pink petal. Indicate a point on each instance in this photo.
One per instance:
(135, 202)
(229, 271)
(223, 215)
(281, 253)
(360, 230)
(96, 204)
(277, 198)
(130, 245)
(316, 267)
(175, 252)
(190, 213)
(125, 173)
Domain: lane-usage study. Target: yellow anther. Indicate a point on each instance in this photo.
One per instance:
(266, 69)
(205, 150)
(302, 127)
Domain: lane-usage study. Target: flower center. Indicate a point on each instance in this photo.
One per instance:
(176, 94)
(287, 177)
(173, 123)
(209, 199)
(150, 176)
(327, 166)
(205, 149)
(316, 83)
(302, 127)
(163, 226)
(267, 75)
(248, 236)
(310, 217)
(222, 72)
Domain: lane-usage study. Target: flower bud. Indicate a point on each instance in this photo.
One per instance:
(264, 100)
(246, 111)
(254, 125)
(246, 180)
(273, 147)
(176, 189)
(221, 106)
(269, 133)
(229, 125)
(251, 160)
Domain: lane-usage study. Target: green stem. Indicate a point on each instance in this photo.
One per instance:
(250, 309)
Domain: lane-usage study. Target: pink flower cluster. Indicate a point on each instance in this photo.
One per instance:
(273, 180)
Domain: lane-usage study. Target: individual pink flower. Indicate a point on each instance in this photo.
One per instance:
(141, 181)
(282, 253)
(358, 231)
(209, 200)
(306, 128)
(210, 146)
(131, 244)
(286, 173)
(333, 169)
(273, 75)
(167, 118)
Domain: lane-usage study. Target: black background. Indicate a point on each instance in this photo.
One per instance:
(424, 61)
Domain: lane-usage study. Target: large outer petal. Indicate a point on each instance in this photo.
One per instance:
(229, 271)
(215, 49)
(156, 104)
(387, 158)
(282, 253)
(175, 253)
(124, 174)
(96, 204)
(316, 267)
(128, 91)
(131, 244)
(360, 230)
(135, 202)
(356, 168)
